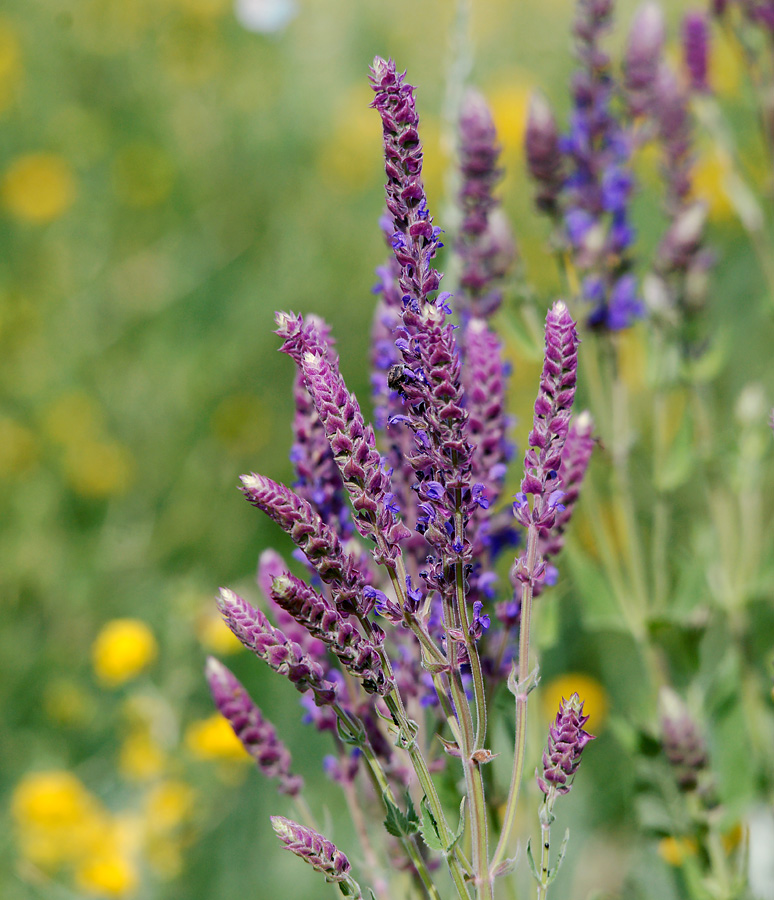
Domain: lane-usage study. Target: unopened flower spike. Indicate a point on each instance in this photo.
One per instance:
(562, 755)
(643, 56)
(544, 155)
(485, 245)
(683, 742)
(323, 855)
(256, 734)
(695, 35)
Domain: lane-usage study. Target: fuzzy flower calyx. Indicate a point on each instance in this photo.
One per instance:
(566, 740)
(323, 855)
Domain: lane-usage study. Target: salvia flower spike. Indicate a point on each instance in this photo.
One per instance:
(255, 733)
(270, 644)
(566, 740)
(359, 656)
(321, 854)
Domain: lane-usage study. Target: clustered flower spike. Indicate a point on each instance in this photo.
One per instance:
(358, 655)
(319, 543)
(695, 33)
(544, 155)
(429, 378)
(683, 743)
(485, 246)
(270, 644)
(551, 422)
(351, 440)
(592, 185)
(323, 855)
(566, 740)
(576, 456)
(256, 734)
(644, 50)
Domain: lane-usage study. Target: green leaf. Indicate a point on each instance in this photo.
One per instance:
(553, 872)
(400, 824)
(429, 828)
(531, 861)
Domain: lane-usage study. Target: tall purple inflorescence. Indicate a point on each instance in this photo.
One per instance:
(257, 735)
(485, 245)
(644, 49)
(429, 379)
(695, 34)
(546, 441)
(566, 740)
(544, 155)
(597, 191)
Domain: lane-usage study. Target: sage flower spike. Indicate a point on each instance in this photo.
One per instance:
(357, 654)
(256, 734)
(321, 854)
(566, 740)
(270, 644)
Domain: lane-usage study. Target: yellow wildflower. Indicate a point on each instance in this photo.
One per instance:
(10, 63)
(674, 851)
(590, 691)
(509, 102)
(56, 817)
(113, 875)
(72, 417)
(214, 635)
(66, 703)
(213, 738)
(168, 805)
(141, 757)
(18, 450)
(98, 468)
(710, 177)
(38, 187)
(122, 649)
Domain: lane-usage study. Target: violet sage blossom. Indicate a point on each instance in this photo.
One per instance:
(566, 740)
(255, 733)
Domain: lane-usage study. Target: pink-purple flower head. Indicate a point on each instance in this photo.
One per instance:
(323, 855)
(566, 740)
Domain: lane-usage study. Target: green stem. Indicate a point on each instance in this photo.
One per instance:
(521, 703)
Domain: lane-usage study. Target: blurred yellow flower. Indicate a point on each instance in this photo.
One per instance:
(205, 8)
(631, 350)
(590, 691)
(214, 635)
(143, 175)
(350, 158)
(710, 175)
(72, 417)
(56, 817)
(213, 738)
(111, 875)
(674, 851)
(38, 187)
(141, 758)
(164, 855)
(725, 65)
(98, 468)
(168, 805)
(10, 63)
(509, 101)
(18, 448)
(122, 649)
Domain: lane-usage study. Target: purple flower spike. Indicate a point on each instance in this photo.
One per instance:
(695, 34)
(643, 56)
(309, 845)
(485, 247)
(546, 441)
(310, 534)
(255, 631)
(544, 156)
(351, 440)
(575, 460)
(256, 734)
(415, 239)
(566, 740)
(683, 743)
(310, 609)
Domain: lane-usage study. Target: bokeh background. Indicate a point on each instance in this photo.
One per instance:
(170, 174)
